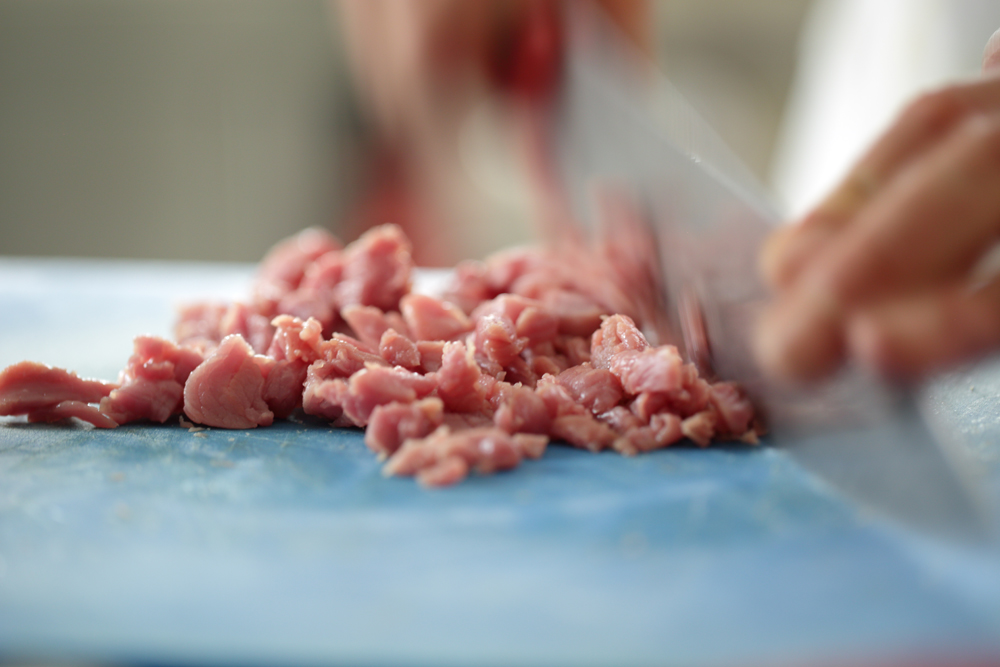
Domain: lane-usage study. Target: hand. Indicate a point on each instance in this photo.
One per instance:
(885, 270)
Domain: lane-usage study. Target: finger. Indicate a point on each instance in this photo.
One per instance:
(922, 125)
(991, 55)
(929, 225)
(940, 328)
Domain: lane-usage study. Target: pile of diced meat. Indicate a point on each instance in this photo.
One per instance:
(523, 349)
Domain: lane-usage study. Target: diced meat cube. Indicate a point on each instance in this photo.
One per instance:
(377, 269)
(667, 428)
(226, 390)
(583, 431)
(622, 420)
(699, 428)
(368, 322)
(152, 383)
(323, 274)
(734, 410)
(431, 355)
(557, 398)
(391, 424)
(635, 441)
(497, 338)
(283, 267)
(200, 322)
(522, 411)
(255, 328)
(617, 334)
(398, 350)
(577, 315)
(458, 380)
(433, 319)
(366, 389)
(596, 389)
(576, 349)
(652, 370)
(345, 355)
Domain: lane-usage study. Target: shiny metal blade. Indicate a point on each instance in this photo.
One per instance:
(702, 218)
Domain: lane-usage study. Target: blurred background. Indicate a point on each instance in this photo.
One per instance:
(209, 129)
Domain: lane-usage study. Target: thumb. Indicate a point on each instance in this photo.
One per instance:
(991, 55)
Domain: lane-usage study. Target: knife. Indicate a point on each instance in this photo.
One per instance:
(699, 218)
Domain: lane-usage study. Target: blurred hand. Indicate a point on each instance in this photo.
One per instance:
(412, 58)
(885, 270)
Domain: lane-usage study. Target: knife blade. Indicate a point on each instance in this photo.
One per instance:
(618, 126)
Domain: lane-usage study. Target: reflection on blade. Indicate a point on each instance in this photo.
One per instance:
(623, 133)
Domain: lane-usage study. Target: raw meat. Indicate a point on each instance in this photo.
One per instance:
(227, 389)
(523, 348)
(28, 386)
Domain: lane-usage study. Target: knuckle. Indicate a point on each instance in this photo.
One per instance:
(937, 110)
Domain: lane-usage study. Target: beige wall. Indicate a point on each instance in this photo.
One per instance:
(207, 129)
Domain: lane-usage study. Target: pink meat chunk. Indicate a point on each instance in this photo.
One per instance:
(369, 388)
(734, 410)
(583, 431)
(377, 269)
(663, 430)
(367, 322)
(322, 275)
(433, 319)
(255, 328)
(444, 457)
(577, 314)
(227, 389)
(284, 266)
(398, 350)
(657, 369)
(523, 411)
(152, 384)
(28, 386)
(575, 349)
(391, 424)
(596, 389)
(200, 322)
(459, 380)
(68, 409)
(622, 420)
(617, 334)
(431, 355)
(295, 347)
(345, 355)
(699, 428)
(497, 338)
(557, 398)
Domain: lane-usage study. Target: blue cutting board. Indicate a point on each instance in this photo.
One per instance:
(155, 544)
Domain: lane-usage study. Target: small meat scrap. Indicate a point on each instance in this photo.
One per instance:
(525, 347)
(393, 423)
(444, 457)
(28, 386)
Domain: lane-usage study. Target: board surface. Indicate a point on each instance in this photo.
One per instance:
(156, 544)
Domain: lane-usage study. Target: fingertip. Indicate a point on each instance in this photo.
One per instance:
(991, 55)
(797, 346)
